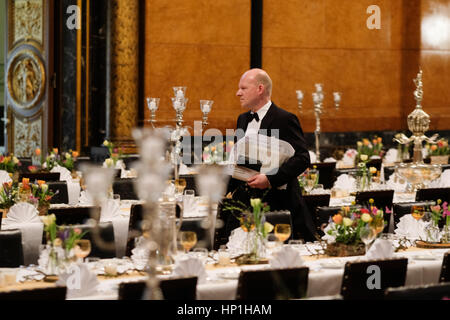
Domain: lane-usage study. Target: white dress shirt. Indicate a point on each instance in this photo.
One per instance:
(253, 126)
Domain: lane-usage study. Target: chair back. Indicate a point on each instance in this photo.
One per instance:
(323, 215)
(39, 294)
(46, 176)
(402, 209)
(316, 200)
(382, 199)
(172, 289)
(25, 162)
(388, 171)
(437, 291)
(11, 250)
(60, 190)
(71, 215)
(222, 232)
(106, 233)
(370, 279)
(190, 182)
(125, 188)
(445, 269)
(327, 173)
(81, 161)
(273, 284)
(433, 194)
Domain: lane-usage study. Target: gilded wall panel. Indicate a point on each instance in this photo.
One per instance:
(27, 136)
(27, 21)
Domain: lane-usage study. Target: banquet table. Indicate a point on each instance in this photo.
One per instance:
(325, 276)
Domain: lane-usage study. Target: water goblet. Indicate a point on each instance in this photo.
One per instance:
(82, 248)
(201, 253)
(188, 240)
(282, 231)
(367, 235)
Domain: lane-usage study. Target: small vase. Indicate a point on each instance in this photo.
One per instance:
(344, 250)
(439, 159)
(433, 233)
(255, 246)
(445, 235)
(363, 182)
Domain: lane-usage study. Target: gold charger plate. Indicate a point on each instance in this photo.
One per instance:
(431, 245)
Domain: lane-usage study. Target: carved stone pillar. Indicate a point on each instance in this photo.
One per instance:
(124, 72)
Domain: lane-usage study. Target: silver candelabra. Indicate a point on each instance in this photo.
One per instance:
(318, 97)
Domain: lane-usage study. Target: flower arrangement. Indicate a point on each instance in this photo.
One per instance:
(115, 154)
(65, 159)
(366, 147)
(439, 212)
(439, 149)
(345, 227)
(364, 175)
(217, 153)
(9, 163)
(42, 194)
(8, 195)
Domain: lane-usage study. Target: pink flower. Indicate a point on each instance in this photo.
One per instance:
(387, 210)
(445, 213)
(77, 230)
(436, 208)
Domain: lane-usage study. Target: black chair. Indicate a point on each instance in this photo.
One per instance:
(273, 284)
(70, 216)
(382, 199)
(316, 200)
(388, 171)
(323, 216)
(370, 279)
(39, 294)
(82, 160)
(428, 292)
(327, 173)
(125, 188)
(106, 233)
(445, 269)
(172, 289)
(401, 209)
(11, 250)
(376, 163)
(190, 182)
(130, 159)
(222, 232)
(99, 154)
(46, 176)
(24, 164)
(60, 190)
(433, 194)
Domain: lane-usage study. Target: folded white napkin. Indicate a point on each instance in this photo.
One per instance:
(286, 257)
(73, 190)
(395, 184)
(442, 182)
(86, 199)
(80, 281)
(391, 156)
(349, 157)
(330, 159)
(24, 216)
(380, 249)
(64, 173)
(111, 213)
(236, 241)
(4, 177)
(411, 228)
(345, 182)
(326, 237)
(190, 207)
(189, 266)
(312, 156)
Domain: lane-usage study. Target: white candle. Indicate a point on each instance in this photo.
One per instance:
(224, 257)
(180, 94)
(111, 269)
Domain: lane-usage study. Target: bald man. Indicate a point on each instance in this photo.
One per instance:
(255, 91)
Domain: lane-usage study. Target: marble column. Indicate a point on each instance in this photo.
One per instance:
(124, 72)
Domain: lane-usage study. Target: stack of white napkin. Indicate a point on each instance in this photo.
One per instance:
(190, 207)
(85, 199)
(73, 186)
(411, 228)
(330, 159)
(140, 253)
(110, 212)
(345, 182)
(79, 280)
(189, 266)
(349, 157)
(391, 156)
(442, 182)
(286, 257)
(24, 216)
(4, 177)
(312, 157)
(380, 249)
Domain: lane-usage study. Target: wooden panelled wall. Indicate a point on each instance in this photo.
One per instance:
(205, 45)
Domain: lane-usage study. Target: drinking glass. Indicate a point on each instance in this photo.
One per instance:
(189, 193)
(82, 248)
(201, 253)
(188, 240)
(224, 258)
(311, 179)
(418, 212)
(296, 244)
(116, 198)
(367, 235)
(282, 231)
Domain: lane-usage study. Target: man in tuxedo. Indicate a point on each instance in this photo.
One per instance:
(255, 89)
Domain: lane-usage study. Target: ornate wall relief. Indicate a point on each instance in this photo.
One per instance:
(27, 136)
(28, 20)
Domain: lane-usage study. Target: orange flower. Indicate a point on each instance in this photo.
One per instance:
(75, 154)
(40, 182)
(337, 218)
(366, 141)
(47, 198)
(55, 150)
(37, 151)
(433, 147)
(379, 139)
(374, 141)
(25, 181)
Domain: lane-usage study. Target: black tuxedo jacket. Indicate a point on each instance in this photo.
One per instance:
(290, 199)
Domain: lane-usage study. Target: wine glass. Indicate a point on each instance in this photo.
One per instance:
(282, 231)
(82, 248)
(311, 179)
(188, 240)
(367, 235)
(180, 184)
(417, 212)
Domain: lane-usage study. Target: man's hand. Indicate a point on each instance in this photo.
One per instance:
(259, 181)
